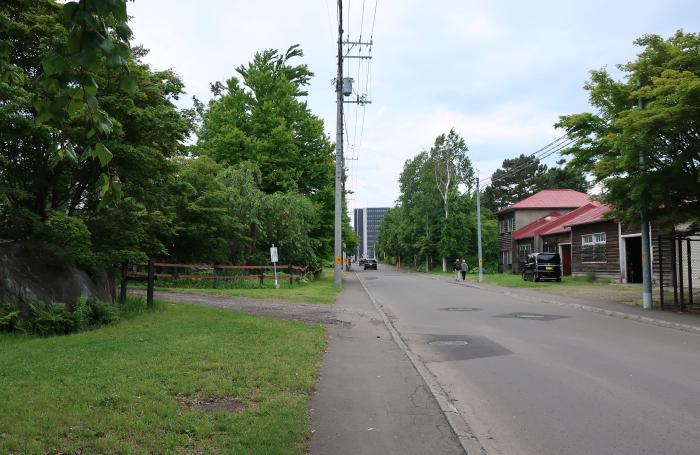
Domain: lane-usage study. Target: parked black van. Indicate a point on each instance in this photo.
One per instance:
(542, 266)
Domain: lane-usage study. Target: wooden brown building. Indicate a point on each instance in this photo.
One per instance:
(529, 210)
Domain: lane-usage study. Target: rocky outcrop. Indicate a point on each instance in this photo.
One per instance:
(34, 273)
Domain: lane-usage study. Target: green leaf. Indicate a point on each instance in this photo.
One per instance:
(102, 153)
(88, 58)
(54, 64)
(123, 31)
(74, 107)
(102, 185)
(104, 126)
(44, 116)
(70, 153)
(69, 10)
(128, 83)
(107, 44)
(91, 102)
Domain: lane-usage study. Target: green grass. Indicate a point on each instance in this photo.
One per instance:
(321, 290)
(117, 389)
(516, 281)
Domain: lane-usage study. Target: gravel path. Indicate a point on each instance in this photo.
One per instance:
(301, 312)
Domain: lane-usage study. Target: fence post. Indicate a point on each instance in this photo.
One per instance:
(680, 273)
(149, 283)
(122, 291)
(661, 273)
(674, 274)
(690, 274)
(262, 277)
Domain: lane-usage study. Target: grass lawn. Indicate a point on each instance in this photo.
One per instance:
(138, 386)
(516, 281)
(321, 290)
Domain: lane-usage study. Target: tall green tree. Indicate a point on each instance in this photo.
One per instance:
(521, 177)
(433, 217)
(261, 116)
(517, 179)
(609, 141)
(451, 167)
(61, 150)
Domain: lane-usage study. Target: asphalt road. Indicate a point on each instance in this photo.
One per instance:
(537, 378)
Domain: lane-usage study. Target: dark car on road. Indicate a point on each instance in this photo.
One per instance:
(542, 266)
(371, 264)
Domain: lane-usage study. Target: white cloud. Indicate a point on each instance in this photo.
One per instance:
(499, 72)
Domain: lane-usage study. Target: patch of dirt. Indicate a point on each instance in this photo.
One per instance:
(211, 405)
(300, 312)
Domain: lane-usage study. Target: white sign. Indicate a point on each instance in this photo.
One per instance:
(273, 254)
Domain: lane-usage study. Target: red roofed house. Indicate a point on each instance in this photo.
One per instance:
(586, 237)
(553, 203)
(549, 234)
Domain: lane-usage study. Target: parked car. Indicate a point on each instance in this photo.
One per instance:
(371, 264)
(542, 266)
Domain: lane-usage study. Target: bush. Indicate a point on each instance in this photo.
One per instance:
(590, 277)
(55, 319)
(49, 319)
(68, 237)
(8, 318)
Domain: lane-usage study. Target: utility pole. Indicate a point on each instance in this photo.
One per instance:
(427, 239)
(339, 153)
(646, 240)
(343, 87)
(478, 232)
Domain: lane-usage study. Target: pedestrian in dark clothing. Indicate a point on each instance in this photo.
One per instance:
(464, 268)
(457, 268)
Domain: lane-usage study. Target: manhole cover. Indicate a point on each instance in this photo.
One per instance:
(531, 316)
(448, 343)
(461, 309)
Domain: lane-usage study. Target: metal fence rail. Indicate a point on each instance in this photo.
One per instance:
(679, 272)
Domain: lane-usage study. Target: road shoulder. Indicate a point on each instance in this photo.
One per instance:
(685, 322)
(370, 399)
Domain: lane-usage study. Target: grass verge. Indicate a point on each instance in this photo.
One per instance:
(130, 387)
(320, 290)
(516, 281)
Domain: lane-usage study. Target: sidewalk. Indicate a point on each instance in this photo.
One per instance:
(370, 399)
(680, 321)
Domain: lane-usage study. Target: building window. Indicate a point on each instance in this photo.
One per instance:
(506, 225)
(593, 239)
(524, 249)
(593, 248)
(506, 258)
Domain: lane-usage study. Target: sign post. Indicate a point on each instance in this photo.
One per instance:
(274, 259)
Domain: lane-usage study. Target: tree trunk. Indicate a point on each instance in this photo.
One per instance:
(444, 264)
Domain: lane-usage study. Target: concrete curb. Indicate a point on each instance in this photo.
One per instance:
(469, 442)
(593, 309)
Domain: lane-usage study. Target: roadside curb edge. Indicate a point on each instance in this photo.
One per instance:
(457, 422)
(593, 309)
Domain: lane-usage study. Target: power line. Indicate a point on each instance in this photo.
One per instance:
(540, 154)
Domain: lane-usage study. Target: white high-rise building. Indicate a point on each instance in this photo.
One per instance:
(367, 221)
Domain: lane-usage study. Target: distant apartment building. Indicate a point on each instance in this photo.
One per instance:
(367, 221)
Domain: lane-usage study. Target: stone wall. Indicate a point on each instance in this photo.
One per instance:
(34, 273)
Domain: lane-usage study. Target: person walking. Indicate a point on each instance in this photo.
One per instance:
(463, 268)
(456, 268)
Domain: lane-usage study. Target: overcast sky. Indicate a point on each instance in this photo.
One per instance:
(499, 72)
